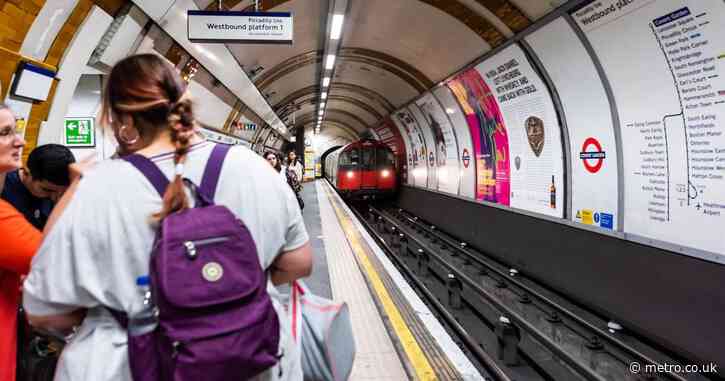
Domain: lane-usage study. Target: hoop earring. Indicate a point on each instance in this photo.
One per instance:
(128, 135)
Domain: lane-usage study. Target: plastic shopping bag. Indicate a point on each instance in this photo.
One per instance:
(322, 329)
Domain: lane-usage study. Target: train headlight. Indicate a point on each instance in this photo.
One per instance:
(350, 174)
(384, 173)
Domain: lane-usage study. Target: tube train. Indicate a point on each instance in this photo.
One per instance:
(364, 169)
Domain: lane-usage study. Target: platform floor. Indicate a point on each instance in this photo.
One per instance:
(397, 337)
(319, 281)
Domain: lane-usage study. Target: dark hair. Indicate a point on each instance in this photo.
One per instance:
(151, 91)
(50, 162)
(287, 159)
(278, 167)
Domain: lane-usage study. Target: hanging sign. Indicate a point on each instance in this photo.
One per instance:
(240, 27)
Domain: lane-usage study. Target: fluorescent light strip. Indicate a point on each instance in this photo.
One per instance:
(325, 81)
(336, 28)
(323, 95)
(322, 104)
(330, 63)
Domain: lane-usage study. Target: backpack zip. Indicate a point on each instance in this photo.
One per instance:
(191, 246)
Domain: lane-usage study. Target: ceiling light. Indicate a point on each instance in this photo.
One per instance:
(330, 63)
(322, 112)
(325, 81)
(336, 28)
(323, 95)
(322, 104)
(450, 110)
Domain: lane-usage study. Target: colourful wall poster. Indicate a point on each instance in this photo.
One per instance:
(445, 143)
(488, 134)
(533, 131)
(407, 164)
(390, 135)
(419, 168)
(593, 149)
(431, 158)
(467, 168)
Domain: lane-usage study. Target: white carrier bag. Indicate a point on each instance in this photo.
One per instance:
(322, 329)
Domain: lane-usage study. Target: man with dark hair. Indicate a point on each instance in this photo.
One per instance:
(33, 190)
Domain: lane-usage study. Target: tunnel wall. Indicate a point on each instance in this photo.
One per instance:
(577, 120)
(592, 146)
(675, 299)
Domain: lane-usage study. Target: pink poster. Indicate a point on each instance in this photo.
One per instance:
(488, 134)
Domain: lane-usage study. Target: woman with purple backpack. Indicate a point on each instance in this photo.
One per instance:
(209, 230)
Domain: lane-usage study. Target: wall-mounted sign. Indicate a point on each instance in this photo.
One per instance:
(240, 27)
(80, 132)
(217, 137)
(32, 82)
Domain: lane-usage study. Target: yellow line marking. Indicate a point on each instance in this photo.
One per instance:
(422, 367)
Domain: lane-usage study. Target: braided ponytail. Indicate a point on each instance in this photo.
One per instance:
(181, 122)
(150, 90)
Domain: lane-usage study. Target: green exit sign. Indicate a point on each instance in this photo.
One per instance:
(80, 132)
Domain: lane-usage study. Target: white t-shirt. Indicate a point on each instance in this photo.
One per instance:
(298, 169)
(102, 242)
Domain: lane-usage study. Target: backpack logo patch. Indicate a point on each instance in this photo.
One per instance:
(212, 271)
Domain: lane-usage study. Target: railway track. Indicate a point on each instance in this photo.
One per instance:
(513, 327)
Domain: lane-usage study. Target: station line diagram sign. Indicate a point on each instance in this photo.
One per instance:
(79, 132)
(240, 27)
(667, 76)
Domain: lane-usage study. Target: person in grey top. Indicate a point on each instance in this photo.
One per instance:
(100, 235)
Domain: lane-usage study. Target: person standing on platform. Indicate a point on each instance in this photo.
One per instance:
(34, 190)
(20, 242)
(294, 165)
(274, 161)
(288, 175)
(102, 232)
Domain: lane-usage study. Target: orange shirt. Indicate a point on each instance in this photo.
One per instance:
(20, 240)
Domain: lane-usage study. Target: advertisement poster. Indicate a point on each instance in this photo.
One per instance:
(418, 152)
(431, 158)
(488, 133)
(515, 132)
(467, 165)
(667, 72)
(390, 135)
(593, 150)
(407, 163)
(445, 143)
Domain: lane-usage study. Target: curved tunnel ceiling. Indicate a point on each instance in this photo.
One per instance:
(391, 52)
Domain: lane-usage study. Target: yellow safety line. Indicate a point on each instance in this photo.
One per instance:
(415, 354)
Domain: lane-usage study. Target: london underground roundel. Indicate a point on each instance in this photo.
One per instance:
(592, 155)
(466, 158)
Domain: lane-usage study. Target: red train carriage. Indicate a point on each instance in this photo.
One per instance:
(363, 169)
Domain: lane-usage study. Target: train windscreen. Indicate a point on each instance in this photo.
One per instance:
(385, 158)
(349, 158)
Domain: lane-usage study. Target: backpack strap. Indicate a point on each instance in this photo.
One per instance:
(209, 180)
(150, 171)
(213, 169)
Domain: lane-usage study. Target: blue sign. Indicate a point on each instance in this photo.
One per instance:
(607, 220)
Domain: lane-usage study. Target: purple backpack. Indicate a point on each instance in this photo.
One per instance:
(215, 318)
